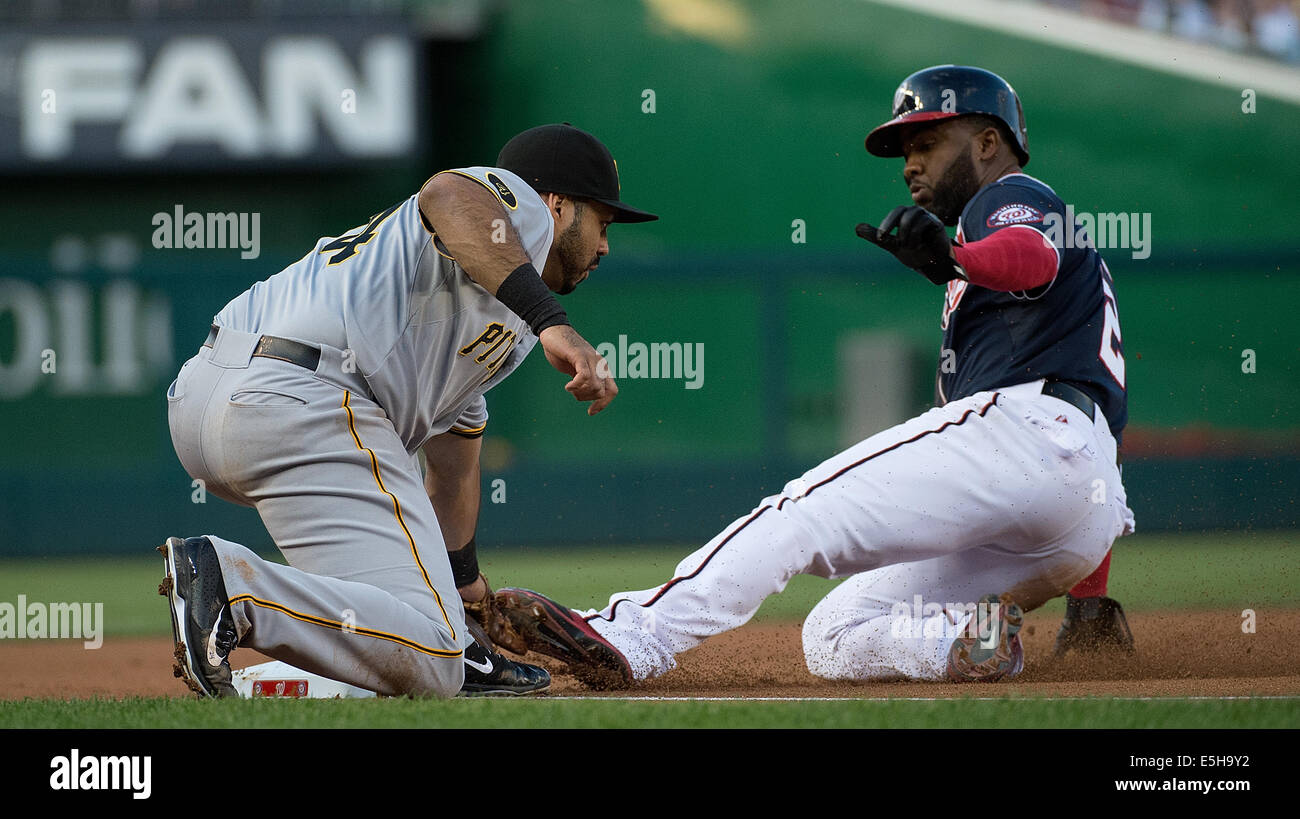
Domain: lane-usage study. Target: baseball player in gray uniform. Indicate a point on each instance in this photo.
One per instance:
(317, 389)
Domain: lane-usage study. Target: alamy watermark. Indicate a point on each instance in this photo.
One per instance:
(1099, 231)
(683, 361)
(77, 772)
(934, 620)
(208, 231)
(39, 621)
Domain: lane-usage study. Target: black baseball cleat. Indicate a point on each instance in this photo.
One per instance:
(202, 622)
(555, 631)
(487, 673)
(1093, 624)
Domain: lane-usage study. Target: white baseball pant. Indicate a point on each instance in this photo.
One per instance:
(1004, 491)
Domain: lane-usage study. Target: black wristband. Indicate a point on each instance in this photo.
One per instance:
(527, 295)
(464, 564)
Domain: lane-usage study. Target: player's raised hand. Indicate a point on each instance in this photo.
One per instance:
(570, 353)
(921, 243)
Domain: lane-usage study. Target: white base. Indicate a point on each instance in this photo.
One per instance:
(277, 680)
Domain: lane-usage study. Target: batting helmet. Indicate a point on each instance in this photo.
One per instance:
(947, 91)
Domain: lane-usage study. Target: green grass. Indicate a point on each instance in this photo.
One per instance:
(1149, 572)
(550, 713)
(1207, 571)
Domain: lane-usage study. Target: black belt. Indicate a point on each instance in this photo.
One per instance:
(1071, 395)
(283, 349)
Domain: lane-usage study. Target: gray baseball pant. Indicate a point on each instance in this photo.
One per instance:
(368, 596)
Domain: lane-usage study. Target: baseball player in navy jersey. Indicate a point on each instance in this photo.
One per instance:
(950, 525)
(317, 389)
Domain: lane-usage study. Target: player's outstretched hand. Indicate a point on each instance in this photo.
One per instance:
(921, 242)
(570, 353)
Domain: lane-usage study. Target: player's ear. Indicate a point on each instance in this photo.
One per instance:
(987, 142)
(556, 203)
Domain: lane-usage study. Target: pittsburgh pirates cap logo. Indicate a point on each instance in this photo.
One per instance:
(503, 190)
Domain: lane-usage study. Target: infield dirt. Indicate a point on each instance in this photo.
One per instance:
(1179, 654)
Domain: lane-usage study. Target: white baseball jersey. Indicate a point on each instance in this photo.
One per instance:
(428, 340)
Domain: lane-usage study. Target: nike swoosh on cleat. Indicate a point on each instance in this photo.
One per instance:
(214, 659)
(483, 667)
(994, 628)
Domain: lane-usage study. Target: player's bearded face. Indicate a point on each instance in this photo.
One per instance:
(576, 256)
(940, 168)
(577, 249)
(955, 188)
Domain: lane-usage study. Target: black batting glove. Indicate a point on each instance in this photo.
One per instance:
(921, 242)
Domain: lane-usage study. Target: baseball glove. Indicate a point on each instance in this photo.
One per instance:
(489, 614)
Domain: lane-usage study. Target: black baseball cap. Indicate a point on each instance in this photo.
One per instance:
(563, 159)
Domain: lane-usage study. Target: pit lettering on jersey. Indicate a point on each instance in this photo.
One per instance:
(497, 342)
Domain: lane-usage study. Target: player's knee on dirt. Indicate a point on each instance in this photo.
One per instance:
(445, 683)
(422, 676)
(822, 632)
(848, 638)
(818, 651)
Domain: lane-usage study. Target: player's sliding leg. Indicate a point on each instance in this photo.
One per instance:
(901, 621)
(973, 473)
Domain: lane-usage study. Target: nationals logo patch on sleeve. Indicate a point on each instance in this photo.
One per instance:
(1014, 215)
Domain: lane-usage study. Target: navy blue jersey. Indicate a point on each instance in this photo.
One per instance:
(1067, 329)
